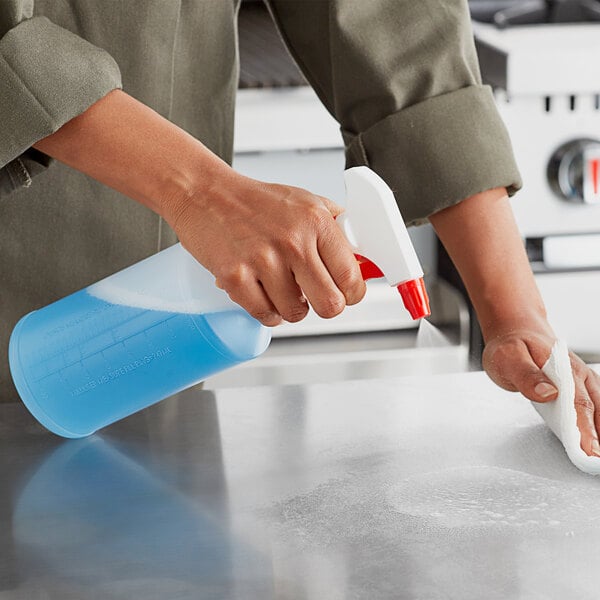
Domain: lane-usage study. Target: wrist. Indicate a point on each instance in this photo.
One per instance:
(197, 179)
(497, 323)
(202, 187)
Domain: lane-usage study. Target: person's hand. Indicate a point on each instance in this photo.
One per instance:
(483, 239)
(273, 248)
(513, 360)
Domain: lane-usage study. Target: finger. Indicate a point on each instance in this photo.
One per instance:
(250, 295)
(525, 375)
(544, 388)
(584, 406)
(592, 385)
(284, 293)
(339, 260)
(318, 286)
(587, 405)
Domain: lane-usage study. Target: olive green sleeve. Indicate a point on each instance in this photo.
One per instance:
(402, 79)
(48, 75)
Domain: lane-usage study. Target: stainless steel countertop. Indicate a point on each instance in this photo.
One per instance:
(424, 488)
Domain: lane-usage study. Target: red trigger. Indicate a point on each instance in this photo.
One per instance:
(368, 269)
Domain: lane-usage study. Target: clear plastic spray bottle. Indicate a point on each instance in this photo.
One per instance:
(161, 325)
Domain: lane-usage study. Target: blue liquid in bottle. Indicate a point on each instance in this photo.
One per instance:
(83, 362)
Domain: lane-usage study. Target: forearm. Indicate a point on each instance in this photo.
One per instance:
(131, 148)
(482, 238)
(271, 247)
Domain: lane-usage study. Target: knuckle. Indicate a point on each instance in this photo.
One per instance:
(347, 276)
(233, 277)
(502, 348)
(584, 404)
(318, 215)
(265, 259)
(578, 367)
(265, 315)
(315, 208)
(533, 375)
(504, 358)
(294, 246)
(330, 306)
(295, 313)
(351, 284)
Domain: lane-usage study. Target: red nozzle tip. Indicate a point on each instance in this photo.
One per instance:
(414, 296)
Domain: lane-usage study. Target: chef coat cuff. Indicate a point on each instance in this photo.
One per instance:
(48, 76)
(438, 152)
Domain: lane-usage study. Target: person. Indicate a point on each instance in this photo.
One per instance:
(135, 100)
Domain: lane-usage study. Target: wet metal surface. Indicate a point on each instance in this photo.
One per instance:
(437, 488)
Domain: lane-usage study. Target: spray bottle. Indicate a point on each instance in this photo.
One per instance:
(162, 325)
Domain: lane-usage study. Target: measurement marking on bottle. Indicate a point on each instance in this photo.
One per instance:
(91, 314)
(122, 370)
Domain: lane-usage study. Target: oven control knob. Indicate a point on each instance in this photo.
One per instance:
(574, 171)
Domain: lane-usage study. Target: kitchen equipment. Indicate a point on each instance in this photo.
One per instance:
(506, 13)
(541, 59)
(162, 325)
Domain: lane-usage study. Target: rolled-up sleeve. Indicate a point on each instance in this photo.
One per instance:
(402, 79)
(48, 76)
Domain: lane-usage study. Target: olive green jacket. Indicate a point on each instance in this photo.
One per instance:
(400, 76)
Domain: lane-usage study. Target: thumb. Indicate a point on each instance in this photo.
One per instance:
(512, 367)
(543, 391)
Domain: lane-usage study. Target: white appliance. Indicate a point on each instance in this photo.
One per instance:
(541, 57)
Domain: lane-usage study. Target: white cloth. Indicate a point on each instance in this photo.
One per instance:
(560, 414)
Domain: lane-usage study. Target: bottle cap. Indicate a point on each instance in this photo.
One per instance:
(414, 296)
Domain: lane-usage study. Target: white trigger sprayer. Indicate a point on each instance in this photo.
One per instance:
(373, 225)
